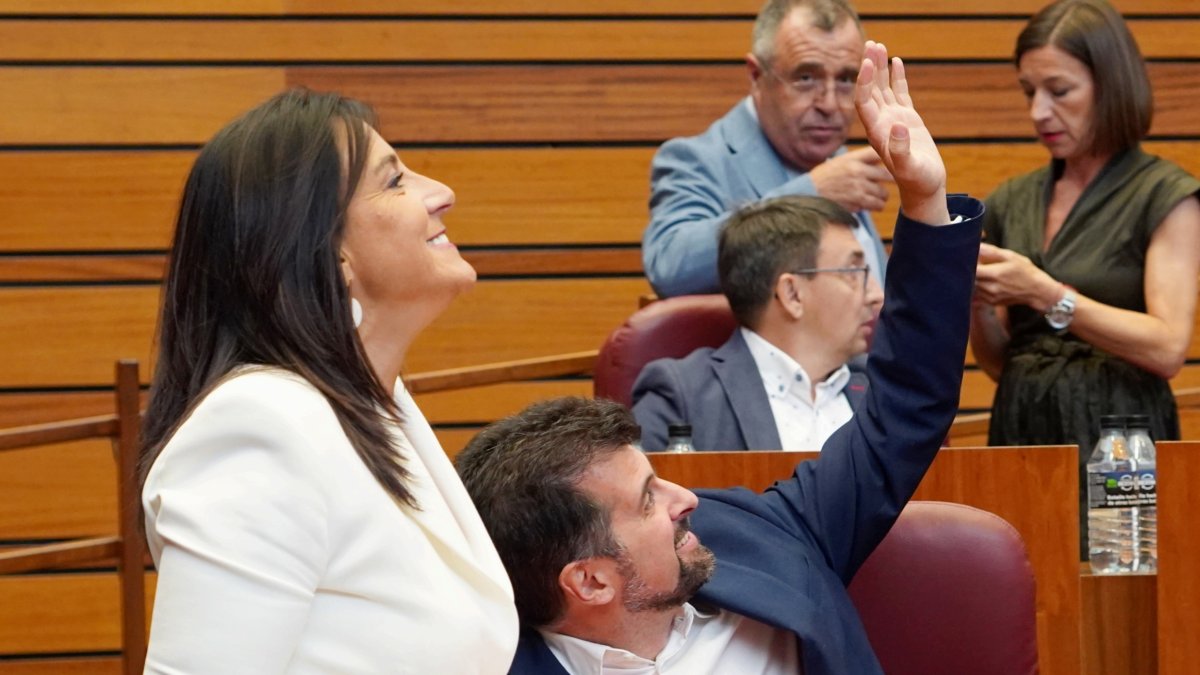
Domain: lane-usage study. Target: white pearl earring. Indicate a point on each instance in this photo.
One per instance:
(356, 312)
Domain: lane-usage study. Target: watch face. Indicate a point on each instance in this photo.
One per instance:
(1058, 319)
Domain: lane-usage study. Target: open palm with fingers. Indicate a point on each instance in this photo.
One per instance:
(896, 130)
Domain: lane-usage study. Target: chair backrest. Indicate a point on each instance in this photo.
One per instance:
(673, 327)
(950, 590)
(127, 550)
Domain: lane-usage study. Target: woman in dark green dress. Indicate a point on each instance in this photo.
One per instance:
(1086, 295)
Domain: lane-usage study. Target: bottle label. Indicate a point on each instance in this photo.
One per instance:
(1122, 489)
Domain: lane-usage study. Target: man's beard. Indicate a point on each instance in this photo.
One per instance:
(693, 574)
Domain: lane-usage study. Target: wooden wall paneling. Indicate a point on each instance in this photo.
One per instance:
(81, 331)
(542, 195)
(492, 104)
(454, 440)
(609, 103)
(23, 409)
(127, 199)
(88, 665)
(480, 405)
(55, 269)
(1034, 489)
(538, 7)
(507, 262)
(507, 320)
(85, 105)
(1189, 423)
(1179, 557)
(62, 613)
(79, 201)
(58, 491)
(112, 40)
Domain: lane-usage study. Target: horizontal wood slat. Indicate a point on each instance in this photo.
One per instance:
(537, 7)
(509, 262)
(611, 103)
(508, 320)
(61, 491)
(42, 614)
(481, 405)
(126, 200)
(491, 104)
(81, 331)
(332, 40)
(40, 408)
(88, 665)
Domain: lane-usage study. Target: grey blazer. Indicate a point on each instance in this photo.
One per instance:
(696, 182)
(720, 393)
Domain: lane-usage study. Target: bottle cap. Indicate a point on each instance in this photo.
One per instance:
(1137, 421)
(1112, 421)
(679, 430)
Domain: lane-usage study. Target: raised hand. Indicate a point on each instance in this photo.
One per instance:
(899, 135)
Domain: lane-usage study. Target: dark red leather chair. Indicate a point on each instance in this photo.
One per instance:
(949, 591)
(673, 327)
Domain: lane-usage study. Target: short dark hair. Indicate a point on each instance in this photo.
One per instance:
(254, 275)
(523, 474)
(1095, 34)
(762, 240)
(826, 15)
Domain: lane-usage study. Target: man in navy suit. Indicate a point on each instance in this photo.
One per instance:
(787, 137)
(798, 282)
(607, 573)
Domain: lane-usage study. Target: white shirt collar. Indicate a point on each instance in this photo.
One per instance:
(782, 375)
(583, 657)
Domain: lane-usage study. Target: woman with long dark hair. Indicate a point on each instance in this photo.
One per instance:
(300, 511)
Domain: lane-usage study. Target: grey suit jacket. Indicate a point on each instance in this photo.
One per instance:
(696, 182)
(720, 393)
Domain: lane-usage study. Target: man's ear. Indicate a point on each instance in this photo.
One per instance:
(753, 68)
(592, 581)
(789, 293)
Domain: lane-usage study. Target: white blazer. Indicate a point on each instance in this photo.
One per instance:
(279, 552)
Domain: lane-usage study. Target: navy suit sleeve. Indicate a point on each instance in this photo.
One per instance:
(845, 501)
(658, 402)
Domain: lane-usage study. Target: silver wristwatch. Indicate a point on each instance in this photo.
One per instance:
(1059, 316)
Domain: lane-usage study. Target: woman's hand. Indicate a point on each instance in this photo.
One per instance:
(1006, 277)
(899, 135)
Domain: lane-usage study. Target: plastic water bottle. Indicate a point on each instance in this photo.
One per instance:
(679, 438)
(1112, 499)
(1141, 447)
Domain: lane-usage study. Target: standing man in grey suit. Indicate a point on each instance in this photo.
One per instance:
(799, 283)
(786, 138)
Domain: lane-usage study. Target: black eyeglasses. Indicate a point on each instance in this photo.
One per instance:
(847, 273)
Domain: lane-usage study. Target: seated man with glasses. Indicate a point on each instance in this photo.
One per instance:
(799, 284)
(786, 138)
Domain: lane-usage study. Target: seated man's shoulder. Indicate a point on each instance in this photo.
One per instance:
(690, 367)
